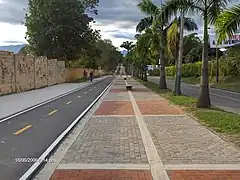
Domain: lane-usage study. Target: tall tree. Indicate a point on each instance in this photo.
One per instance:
(209, 10)
(157, 26)
(59, 28)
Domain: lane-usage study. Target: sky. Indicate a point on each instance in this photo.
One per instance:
(117, 20)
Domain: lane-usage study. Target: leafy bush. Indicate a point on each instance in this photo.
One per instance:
(228, 66)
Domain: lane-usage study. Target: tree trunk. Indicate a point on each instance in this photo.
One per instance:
(204, 99)
(162, 79)
(145, 71)
(179, 64)
(176, 60)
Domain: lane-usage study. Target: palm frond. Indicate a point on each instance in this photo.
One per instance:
(149, 8)
(144, 24)
(189, 24)
(214, 8)
(172, 38)
(228, 23)
(172, 6)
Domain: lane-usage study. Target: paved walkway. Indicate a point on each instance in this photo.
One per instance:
(14, 103)
(138, 135)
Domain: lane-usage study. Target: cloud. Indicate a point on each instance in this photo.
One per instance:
(117, 19)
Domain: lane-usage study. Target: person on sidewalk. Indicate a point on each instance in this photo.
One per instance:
(85, 74)
(91, 76)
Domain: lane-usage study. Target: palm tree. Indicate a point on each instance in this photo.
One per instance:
(175, 44)
(164, 33)
(145, 49)
(152, 11)
(128, 46)
(228, 23)
(209, 10)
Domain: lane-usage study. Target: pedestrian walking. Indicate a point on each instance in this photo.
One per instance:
(91, 76)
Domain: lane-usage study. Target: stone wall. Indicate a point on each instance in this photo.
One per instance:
(73, 74)
(21, 73)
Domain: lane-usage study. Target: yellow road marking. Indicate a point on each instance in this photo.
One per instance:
(79, 96)
(22, 130)
(69, 102)
(51, 113)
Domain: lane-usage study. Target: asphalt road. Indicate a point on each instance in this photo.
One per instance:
(30, 134)
(226, 100)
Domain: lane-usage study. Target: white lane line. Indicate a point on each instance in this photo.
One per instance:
(90, 89)
(104, 166)
(36, 165)
(79, 97)
(157, 168)
(202, 166)
(85, 92)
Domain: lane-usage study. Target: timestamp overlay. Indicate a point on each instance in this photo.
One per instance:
(33, 160)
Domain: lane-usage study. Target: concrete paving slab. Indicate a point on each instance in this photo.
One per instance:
(115, 108)
(118, 90)
(146, 96)
(181, 140)
(120, 96)
(161, 107)
(113, 140)
(118, 87)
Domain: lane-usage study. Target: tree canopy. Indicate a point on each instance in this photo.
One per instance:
(60, 28)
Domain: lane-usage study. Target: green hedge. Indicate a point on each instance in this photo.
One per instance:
(229, 66)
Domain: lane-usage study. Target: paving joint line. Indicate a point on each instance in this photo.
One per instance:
(157, 168)
(105, 166)
(202, 166)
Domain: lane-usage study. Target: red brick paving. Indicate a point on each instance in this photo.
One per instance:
(101, 175)
(204, 175)
(141, 90)
(118, 90)
(160, 107)
(115, 108)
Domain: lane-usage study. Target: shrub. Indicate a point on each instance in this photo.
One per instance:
(228, 66)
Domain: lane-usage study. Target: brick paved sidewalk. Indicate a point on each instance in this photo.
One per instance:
(139, 135)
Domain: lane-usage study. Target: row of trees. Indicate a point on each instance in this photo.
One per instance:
(61, 29)
(162, 38)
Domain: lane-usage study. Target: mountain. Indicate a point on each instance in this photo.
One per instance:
(124, 52)
(12, 48)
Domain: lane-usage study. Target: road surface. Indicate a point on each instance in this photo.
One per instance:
(226, 100)
(30, 134)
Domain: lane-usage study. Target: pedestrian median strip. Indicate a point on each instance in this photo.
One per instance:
(22, 130)
(53, 112)
(155, 162)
